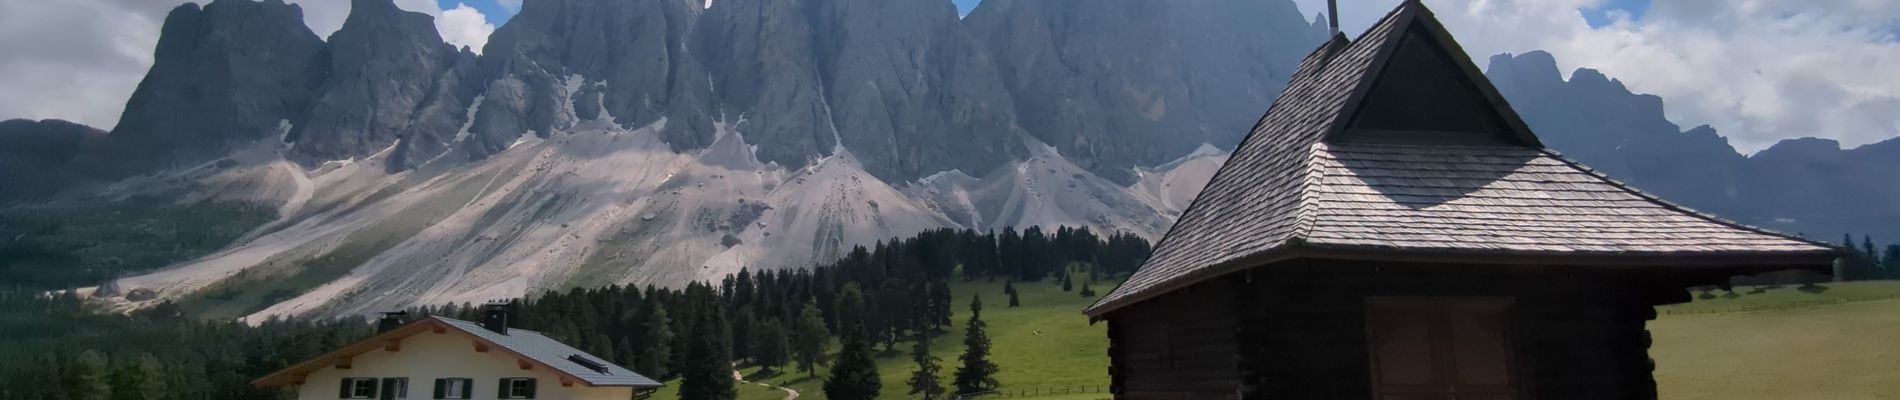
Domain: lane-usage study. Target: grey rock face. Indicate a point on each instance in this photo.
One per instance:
(911, 92)
(386, 72)
(900, 83)
(36, 156)
(229, 72)
(765, 72)
(636, 48)
(441, 116)
(1119, 83)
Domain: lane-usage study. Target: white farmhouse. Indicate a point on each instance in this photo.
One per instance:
(445, 358)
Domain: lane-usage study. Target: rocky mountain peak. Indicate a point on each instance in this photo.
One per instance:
(1118, 83)
(388, 70)
(230, 72)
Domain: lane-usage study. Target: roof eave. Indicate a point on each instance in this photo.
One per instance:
(283, 376)
(1731, 263)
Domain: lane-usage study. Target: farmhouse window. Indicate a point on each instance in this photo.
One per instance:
(395, 389)
(453, 388)
(517, 388)
(357, 388)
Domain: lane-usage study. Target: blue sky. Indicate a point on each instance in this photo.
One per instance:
(496, 13)
(1600, 16)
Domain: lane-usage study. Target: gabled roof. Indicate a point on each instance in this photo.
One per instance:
(1312, 180)
(527, 346)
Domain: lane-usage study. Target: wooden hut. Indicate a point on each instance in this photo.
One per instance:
(1391, 230)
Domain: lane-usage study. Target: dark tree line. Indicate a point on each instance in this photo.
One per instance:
(779, 320)
(69, 351)
(1864, 261)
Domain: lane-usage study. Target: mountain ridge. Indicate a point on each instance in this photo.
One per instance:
(595, 142)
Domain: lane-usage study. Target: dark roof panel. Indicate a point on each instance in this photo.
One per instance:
(554, 354)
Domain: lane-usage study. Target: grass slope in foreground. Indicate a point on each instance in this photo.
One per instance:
(1045, 344)
(1841, 343)
(1782, 345)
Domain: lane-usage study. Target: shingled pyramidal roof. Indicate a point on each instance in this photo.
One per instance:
(1396, 145)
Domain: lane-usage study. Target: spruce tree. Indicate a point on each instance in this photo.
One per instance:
(658, 349)
(770, 347)
(1087, 291)
(854, 376)
(707, 374)
(977, 373)
(140, 378)
(850, 310)
(1067, 284)
(810, 340)
(1011, 290)
(924, 381)
(87, 377)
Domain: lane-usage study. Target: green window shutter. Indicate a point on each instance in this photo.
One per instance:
(441, 388)
(502, 393)
(468, 389)
(531, 390)
(343, 391)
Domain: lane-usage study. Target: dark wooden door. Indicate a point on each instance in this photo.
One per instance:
(1440, 348)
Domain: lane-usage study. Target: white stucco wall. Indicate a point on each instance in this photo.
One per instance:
(427, 356)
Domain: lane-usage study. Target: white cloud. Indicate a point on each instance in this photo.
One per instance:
(1757, 70)
(74, 59)
(465, 26)
(511, 5)
(79, 60)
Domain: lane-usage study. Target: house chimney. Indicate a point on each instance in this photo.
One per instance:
(495, 317)
(1332, 15)
(390, 321)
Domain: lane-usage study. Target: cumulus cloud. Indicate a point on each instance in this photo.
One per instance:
(1757, 70)
(79, 60)
(74, 59)
(465, 26)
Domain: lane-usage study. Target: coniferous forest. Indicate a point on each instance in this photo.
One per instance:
(874, 299)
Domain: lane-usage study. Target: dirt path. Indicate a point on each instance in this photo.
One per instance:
(789, 393)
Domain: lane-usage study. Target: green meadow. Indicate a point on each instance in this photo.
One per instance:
(1842, 342)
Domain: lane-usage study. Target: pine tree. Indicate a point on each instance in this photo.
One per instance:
(707, 374)
(140, 378)
(977, 373)
(770, 347)
(1067, 284)
(850, 310)
(87, 377)
(658, 349)
(924, 381)
(1087, 292)
(1890, 262)
(1010, 289)
(810, 340)
(854, 376)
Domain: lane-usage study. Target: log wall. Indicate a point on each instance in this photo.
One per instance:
(1299, 331)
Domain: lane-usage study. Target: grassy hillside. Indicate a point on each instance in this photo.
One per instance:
(1045, 345)
(1843, 343)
